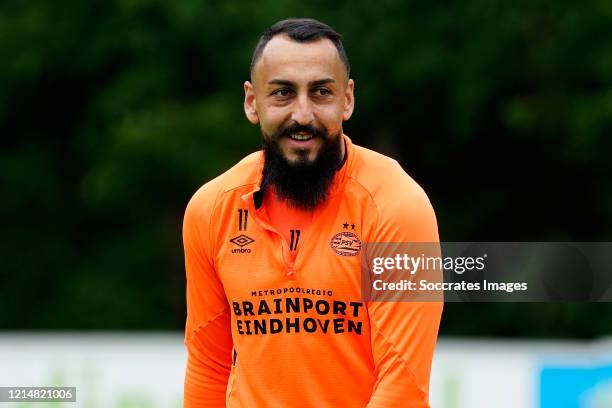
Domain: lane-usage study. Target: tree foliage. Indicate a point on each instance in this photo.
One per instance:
(113, 113)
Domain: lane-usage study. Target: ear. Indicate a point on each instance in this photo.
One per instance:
(250, 105)
(349, 100)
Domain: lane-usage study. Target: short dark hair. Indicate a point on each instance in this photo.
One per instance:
(302, 30)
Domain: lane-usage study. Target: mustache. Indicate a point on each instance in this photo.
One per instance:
(296, 128)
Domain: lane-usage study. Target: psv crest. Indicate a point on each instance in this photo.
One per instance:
(346, 243)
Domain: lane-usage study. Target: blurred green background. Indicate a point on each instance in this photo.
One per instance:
(112, 113)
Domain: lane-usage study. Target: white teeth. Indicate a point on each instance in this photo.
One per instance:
(297, 136)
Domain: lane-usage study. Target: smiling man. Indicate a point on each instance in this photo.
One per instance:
(273, 250)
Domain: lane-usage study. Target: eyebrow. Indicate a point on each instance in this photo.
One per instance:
(285, 82)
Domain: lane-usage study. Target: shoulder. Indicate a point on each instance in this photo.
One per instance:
(243, 175)
(385, 180)
(398, 200)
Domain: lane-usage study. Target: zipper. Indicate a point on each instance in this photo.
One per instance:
(318, 217)
(288, 261)
(284, 246)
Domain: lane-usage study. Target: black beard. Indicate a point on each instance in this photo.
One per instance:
(304, 185)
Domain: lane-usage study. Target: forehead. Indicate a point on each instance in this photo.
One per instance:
(294, 61)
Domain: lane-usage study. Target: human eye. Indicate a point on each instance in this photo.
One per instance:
(322, 91)
(282, 92)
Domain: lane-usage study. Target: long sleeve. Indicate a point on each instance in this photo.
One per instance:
(207, 331)
(404, 333)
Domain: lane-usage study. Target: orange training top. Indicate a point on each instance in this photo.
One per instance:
(269, 329)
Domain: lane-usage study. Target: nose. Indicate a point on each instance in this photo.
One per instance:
(302, 111)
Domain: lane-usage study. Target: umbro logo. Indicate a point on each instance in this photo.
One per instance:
(242, 241)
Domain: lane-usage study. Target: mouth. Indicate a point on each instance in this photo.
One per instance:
(301, 136)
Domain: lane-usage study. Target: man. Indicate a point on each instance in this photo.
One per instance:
(273, 248)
